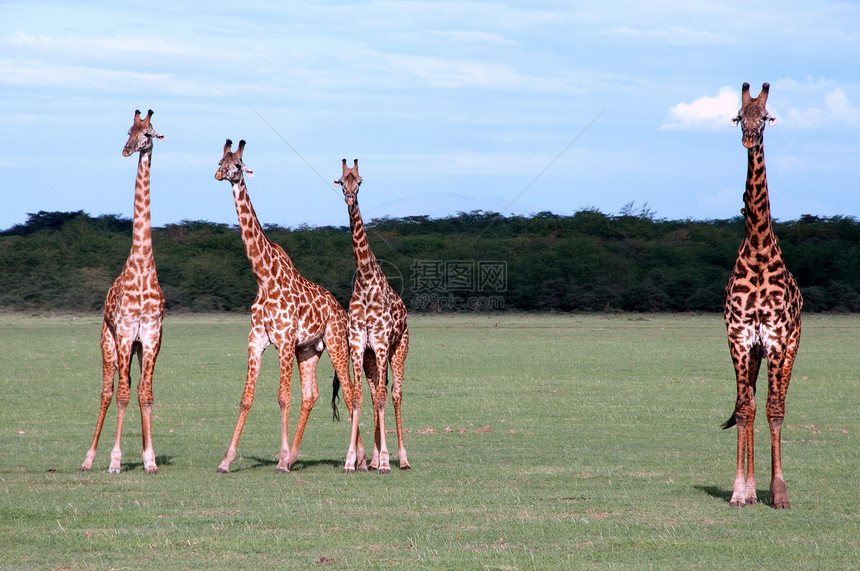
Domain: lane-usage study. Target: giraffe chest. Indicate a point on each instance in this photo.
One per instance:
(376, 313)
(763, 298)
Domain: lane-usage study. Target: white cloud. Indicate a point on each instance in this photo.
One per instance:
(475, 37)
(705, 112)
(675, 35)
(25, 72)
(834, 109)
(113, 47)
(459, 74)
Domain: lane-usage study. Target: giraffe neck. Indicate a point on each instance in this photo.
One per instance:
(141, 238)
(258, 247)
(365, 262)
(758, 225)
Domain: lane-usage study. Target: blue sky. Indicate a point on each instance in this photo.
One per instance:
(514, 107)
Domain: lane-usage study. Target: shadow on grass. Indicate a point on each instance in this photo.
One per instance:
(300, 464)
(160, 461)
(726, 494)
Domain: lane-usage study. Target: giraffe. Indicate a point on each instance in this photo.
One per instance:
(134, 310)
(378, 334)
(762, 313)
(300, 317)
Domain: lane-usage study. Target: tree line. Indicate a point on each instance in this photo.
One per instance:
(588, 261)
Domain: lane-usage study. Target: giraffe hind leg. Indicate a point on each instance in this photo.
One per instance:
(307, 360)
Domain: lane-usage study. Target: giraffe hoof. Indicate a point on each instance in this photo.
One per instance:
(348, 470)
(282, 470)
(362, 468)
(779, 496)
(405, 466)
(221, 470)
(153, 471)
(385, 470)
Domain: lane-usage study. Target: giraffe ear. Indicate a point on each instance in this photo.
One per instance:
(736, 121)
(247, 172)
(771, 120)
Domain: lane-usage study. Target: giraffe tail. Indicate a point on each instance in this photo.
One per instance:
(335, 387)
(732, 421)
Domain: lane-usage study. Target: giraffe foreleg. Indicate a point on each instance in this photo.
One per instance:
(123, 395)
(779, 377)
(356, 457)
(147, 354)
(257, 342)
(372, 374)
(380, 400)
(108, 349)
(747, 365)
(286, 355)
(337, 343)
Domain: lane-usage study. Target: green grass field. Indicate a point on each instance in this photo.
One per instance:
(535, 441)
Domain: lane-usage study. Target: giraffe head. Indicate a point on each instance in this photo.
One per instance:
(752, 116)
(231, 167)
(349, 182)
(140, 135)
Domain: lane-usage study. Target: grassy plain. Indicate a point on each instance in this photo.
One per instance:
(552, 441)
